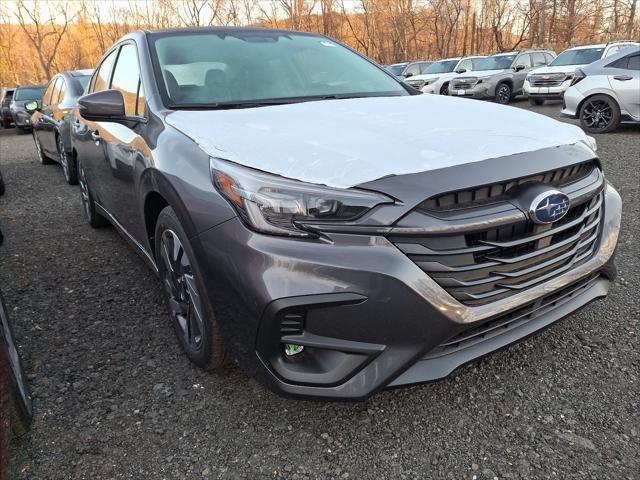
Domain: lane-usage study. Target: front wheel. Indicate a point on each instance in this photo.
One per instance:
(503, 94)
(444, 89)
(536, 101)
(188, 301)
(42, 158)
(600, 114)
(68, 163)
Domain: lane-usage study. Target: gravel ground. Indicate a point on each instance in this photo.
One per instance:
(115, 397)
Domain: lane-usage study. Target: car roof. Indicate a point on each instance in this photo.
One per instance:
(30, 86)
(81, 73)
(227, 30)
(596, 67)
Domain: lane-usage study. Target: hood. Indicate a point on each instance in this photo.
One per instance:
(557, 69)
(344, 143)
(431, 76)
(480, 73)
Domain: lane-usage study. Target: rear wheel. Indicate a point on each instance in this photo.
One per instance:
(88, 204)
(536, 101)
(600, 114)
(193, 320)
(503, 93)
(67, 162)
(44, 160)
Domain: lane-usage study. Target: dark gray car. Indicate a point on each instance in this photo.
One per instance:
(21, 96)
(301, 225)
(52, 120)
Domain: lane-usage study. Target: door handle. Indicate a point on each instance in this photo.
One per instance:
(623, 78)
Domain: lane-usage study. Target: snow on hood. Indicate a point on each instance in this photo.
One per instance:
(343, 143)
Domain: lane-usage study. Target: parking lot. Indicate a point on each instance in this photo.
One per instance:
(116, 398)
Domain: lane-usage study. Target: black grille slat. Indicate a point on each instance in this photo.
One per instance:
(496, 191)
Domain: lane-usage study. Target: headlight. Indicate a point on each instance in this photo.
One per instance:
(591, 143)
(273, 204)
(431, 80)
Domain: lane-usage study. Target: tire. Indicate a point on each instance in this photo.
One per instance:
(17, 398)
(42, 158)
(599, 114)
(536, 101)
(67, 162)
(503, 93)
(6, 125)
(88, 204)
(444, 89)
(20, 130)
(2, 189)
(185, 295)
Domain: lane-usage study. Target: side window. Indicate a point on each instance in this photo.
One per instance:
(62, 90)
(634, 62)
(465, 65)
(476, 61)
(55, 94)
(538, 59)
(46, 97)
(126, 77)
(101, 81)
(550, 58)
(413, 69)
(612, 50)
(524, 60)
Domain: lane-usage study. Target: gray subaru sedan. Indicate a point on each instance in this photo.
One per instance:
(329, 229)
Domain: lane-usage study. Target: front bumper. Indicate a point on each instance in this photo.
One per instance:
(547, 93)
(369, 318)
(479, 90)
(21, 119)
(571, 102)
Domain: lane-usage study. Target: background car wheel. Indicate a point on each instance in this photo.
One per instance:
(17, 401)
(67, 162)
(503, 94)
(193, 320)
(444, 89)
(20, 130)
(44, 160)
(600, 114)
(93, 217)
(1, 184)
(536, 101)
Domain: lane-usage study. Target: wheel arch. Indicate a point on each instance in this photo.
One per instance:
(593, 94)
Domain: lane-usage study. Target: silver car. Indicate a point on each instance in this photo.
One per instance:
(606, 93)
(500, 77)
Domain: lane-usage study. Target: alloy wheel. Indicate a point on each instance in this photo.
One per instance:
(64, 161)
(503, 94)
(597, 114)
(84, 192)
(180, 286)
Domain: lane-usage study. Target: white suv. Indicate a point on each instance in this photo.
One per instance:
(551, 81)
(435, 79)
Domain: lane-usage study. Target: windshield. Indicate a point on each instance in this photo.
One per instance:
(84, 81)
(582, 56)
(261, 67)
(29, 93)
(499, 62)
(444, 66)
(396, 69)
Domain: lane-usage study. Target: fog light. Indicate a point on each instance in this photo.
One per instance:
(291, 349)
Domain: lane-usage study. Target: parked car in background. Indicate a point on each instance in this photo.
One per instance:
(550, 82)
(436, 77)
(284, 237)
(500, 77)
(415, 68)
(5, 113)
(397, 68)
(606, 93)
(21, 95)
(52, 120)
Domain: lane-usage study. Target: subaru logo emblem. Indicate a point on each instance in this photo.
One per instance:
(549, 207)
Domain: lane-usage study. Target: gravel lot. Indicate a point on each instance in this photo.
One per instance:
(115, 397)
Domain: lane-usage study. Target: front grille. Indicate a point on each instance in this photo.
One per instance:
(483, 266)
(292, 323)
(495, 192)
(464, 83)
(544, 80)
(416, 83)
(516, 318)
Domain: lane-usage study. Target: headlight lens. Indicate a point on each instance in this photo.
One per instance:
(591, 143)
(431, 80)
(273, 204)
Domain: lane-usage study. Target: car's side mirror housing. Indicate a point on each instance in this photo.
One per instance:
(408, 74)
(106, 106)
(517, 68)
(461, 70)
(32, 106)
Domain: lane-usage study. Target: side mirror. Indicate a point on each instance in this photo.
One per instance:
(517, 68)
(461, 70)
(31, 106)
(408, 74)
(107, 105)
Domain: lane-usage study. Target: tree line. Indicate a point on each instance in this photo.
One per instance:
(38, 38)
